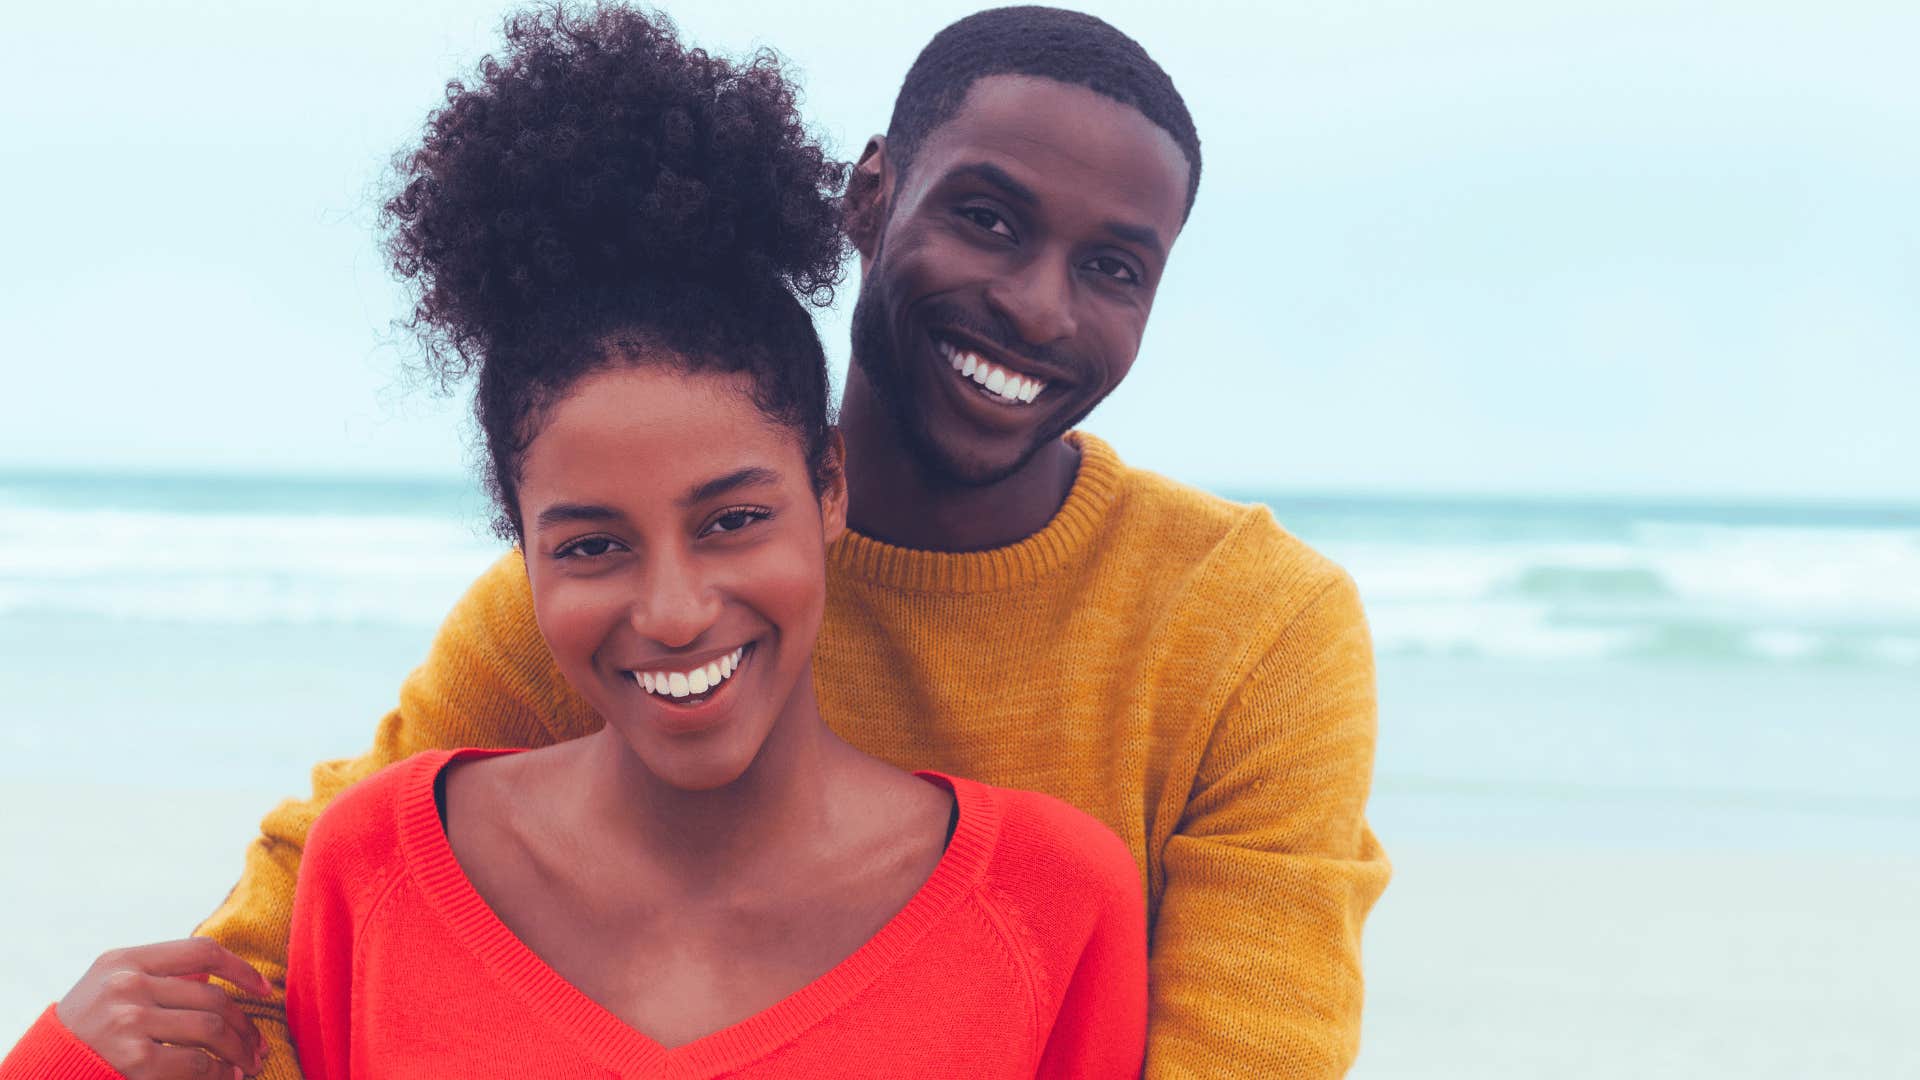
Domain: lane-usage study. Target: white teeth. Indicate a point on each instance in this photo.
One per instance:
(688, 683)
(1003, 384)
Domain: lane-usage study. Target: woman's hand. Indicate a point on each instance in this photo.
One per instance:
(149, 1015)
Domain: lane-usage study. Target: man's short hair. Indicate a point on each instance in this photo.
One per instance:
(1066, 46)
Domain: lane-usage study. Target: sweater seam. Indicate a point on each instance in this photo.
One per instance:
(997, 922)
(381, 895)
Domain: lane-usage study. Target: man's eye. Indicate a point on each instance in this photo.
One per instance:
(587, 547)
(734, 520)
(1115, 269)
(987, 220)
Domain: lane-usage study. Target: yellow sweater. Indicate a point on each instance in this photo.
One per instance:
(1175, 664)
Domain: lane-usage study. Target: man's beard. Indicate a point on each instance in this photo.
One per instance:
(897, 388)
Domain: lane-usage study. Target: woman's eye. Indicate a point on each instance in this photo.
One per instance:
(1115, 269)
(735, 520)
(987, 220)
(589, 547)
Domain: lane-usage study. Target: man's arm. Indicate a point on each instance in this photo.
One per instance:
(1256, 947)
(488, 681)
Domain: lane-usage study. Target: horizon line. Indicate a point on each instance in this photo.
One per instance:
(1435, 498)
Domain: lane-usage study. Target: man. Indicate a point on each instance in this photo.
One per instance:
(1013, 603)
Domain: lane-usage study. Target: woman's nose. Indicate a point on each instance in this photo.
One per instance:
(674, 604)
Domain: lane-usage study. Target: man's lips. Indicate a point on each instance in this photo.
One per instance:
(1016, 383)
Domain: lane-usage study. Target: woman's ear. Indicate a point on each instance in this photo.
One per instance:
(833, 494)
(863, 209)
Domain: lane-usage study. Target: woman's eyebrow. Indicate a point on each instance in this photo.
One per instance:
(720, 485)
(561, 513)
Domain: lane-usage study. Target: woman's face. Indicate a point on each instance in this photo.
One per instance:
(677, 553)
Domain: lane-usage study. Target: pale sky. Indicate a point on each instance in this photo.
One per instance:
(1594, 247)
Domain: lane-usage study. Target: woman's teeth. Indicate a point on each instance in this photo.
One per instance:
(1001, 383)
(679, 684)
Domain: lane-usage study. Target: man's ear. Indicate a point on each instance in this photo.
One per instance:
(864, 208)
(833, 496)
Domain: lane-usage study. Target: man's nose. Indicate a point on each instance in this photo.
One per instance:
(1037, 301)
(674, 603)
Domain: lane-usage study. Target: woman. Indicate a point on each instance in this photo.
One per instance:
(614, 235)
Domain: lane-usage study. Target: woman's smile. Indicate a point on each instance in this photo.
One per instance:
(684, 697)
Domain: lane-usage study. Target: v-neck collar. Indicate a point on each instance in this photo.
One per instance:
(611, 1041)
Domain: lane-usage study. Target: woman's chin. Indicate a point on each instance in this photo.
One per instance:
(700, 763)
(700, 773)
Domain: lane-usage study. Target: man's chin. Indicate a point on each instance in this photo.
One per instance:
(969, 467)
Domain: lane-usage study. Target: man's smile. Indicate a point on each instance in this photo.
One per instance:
(992, 376)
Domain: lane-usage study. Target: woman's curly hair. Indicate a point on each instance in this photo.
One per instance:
(598, 193)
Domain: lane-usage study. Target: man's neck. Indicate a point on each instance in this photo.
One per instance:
(890, 499)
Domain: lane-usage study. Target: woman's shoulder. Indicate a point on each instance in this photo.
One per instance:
(1048, 849)
(365, 825)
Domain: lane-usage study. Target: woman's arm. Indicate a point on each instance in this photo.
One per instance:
(146, 1013)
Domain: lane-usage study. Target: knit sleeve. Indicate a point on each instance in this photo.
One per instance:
(1256, 945)
(49, 1051)
(487, 681)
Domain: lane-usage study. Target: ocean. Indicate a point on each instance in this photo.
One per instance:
(1649, 721)
(1660, 582)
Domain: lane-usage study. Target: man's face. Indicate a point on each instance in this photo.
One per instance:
(1006, 289)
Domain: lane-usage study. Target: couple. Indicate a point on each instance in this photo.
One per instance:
(715, 863)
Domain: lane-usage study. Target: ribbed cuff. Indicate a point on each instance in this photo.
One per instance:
(48, 1051)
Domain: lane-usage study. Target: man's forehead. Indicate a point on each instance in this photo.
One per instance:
(1057, 135)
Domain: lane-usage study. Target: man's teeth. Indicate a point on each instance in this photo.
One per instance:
(1004, 384)
(699, 680)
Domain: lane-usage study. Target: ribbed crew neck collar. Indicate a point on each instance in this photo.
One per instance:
(1063, 539)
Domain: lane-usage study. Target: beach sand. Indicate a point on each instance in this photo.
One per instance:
(1510, 964)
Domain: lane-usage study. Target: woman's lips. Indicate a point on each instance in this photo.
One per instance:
(693, 684)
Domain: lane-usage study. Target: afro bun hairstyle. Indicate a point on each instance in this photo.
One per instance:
(598, 193)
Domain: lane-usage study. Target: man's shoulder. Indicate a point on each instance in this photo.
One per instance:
(1221, 548)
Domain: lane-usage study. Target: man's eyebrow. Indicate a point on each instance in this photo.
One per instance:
(720, 485)
(1137, 234)
(993, 174)
(562, 513)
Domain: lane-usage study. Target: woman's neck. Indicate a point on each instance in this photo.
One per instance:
(707, 839)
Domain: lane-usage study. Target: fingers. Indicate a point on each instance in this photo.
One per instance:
(156, 1062)
(196, 956)
(208, 1031)
(229, 1032)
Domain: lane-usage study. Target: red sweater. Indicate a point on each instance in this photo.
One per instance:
(1023, 954)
